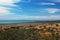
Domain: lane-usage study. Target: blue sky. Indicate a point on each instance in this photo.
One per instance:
(29, 9)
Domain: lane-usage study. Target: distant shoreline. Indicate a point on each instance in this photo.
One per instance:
(26, 22)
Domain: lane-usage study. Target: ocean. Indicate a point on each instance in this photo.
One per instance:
(15, 21)
(26, 21)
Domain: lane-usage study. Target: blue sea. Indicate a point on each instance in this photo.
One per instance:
(15, 21)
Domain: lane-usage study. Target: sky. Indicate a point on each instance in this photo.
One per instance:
(29, 9)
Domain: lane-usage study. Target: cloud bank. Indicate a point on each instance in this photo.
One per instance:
(25, 17)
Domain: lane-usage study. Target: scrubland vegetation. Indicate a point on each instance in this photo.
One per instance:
(30, 32)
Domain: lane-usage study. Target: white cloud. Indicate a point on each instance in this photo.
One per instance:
(52, 10)
(3, 9)
(47, 3)
(8, 2)
(49, 10)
